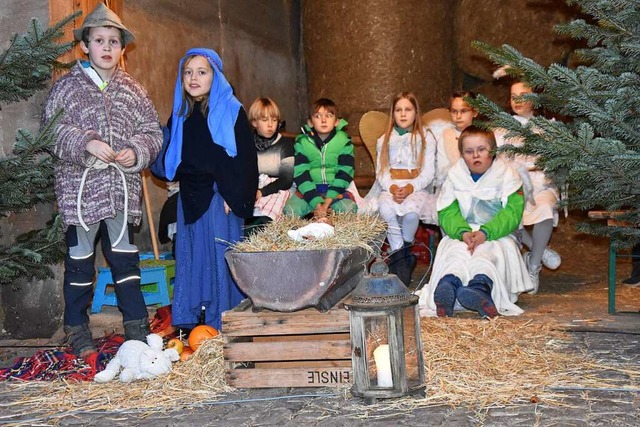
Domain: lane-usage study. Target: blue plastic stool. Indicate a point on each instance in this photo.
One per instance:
(150, 255)
(155, 280)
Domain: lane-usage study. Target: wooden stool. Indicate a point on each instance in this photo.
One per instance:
(156, 281)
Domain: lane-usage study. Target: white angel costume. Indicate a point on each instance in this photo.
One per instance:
(499, 259)
(542, 203)
(447, 152)
(403, 156)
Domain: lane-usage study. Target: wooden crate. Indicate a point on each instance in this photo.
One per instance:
(305, 348)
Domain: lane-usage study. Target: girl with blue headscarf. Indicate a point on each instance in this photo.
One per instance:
(211, 152)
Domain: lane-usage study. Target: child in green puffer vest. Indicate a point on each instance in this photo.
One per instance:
(324, 165)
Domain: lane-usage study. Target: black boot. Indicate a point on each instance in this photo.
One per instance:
(411, 259)
(635, 270)
(395, 262)
(476, 296)
(137, 329)
(80, 339)
(407, 264)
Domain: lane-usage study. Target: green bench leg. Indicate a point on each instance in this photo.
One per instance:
(612, 279)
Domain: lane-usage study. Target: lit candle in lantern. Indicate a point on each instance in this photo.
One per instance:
(383, 365)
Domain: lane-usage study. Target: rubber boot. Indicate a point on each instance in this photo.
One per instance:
(80, 339)
(476, 296)
(405, 264)
(445, 295)
(410, 262)
(137, 329)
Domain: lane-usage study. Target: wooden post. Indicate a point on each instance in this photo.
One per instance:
(148, 210)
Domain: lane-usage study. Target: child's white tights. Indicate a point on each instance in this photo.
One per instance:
(400, 228)
(538, 243)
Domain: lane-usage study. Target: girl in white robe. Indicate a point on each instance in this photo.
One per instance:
(405, 170)
(541, 210)
(447, 134)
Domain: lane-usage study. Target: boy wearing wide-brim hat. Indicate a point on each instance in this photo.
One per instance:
(102, 16)
(108, 134)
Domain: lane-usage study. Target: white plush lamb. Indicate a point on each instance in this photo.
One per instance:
(139, 361)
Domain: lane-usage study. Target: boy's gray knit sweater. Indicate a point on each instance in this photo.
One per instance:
(123, 116)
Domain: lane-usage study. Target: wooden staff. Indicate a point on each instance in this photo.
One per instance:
(152, 227)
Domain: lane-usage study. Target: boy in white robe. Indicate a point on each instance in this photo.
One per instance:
(478, 263)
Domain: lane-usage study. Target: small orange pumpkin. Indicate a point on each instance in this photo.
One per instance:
(199, 334)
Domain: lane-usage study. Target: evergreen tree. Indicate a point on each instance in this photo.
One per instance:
(595, 148)
(26, 175)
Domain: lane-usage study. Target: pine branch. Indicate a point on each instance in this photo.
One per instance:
(27, 64)
(26, 176)
(596, 149)
(30, 254)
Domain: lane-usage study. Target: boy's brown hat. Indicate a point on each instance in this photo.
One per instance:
(102, 16)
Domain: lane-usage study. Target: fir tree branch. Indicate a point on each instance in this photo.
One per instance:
(596, 148)
(26, 176)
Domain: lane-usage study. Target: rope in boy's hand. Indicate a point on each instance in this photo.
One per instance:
(99, 164)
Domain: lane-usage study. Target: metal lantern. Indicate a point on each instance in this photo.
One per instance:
(386, 350)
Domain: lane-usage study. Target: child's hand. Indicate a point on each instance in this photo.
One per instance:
(479, 238)
(258, 195)
(402, 193)
(473, 239)
(320, 211)
(467, 237)
(227, 209)
(395, 192)
(126, 157)
(100, 150)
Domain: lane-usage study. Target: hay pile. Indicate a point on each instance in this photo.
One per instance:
(350, 230)
(194, 382)
(505, 361)
(468, 363)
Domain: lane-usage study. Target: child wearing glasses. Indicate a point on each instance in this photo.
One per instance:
(541, 215)
(324, 165)
(478, 265)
